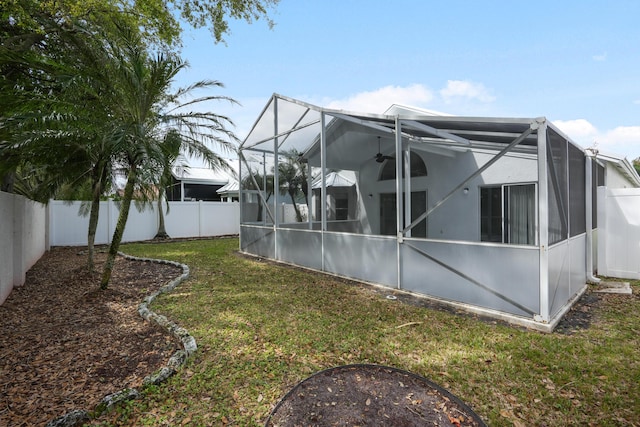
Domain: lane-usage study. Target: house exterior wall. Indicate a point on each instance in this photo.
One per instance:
(459, 217)
(615, 179)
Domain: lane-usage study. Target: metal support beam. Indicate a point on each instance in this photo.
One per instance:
(543, 224)
(588, 211)
(284, 134)
(484, 167)
(255, 183)
(436, 132)
(407, 187)
(366, 123)
(309, 196)
(276, 176)
(399, 203)
(323, 188)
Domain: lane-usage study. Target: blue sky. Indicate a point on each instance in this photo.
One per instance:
(575, 62)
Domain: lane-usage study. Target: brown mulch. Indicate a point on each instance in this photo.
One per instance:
(370, 395)
(66, 344)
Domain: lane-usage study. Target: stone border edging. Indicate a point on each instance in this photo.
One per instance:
(178, 359)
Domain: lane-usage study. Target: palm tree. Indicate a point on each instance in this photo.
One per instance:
(264, 184)
(146, 111)
(56, 127)
(172, 158)
(293, 179)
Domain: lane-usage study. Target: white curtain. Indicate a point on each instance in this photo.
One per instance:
(522, 214)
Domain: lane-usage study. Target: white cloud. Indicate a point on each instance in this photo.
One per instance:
(377, 101)
(622, 140)
(580, 130)
(600, 58)
(457, 89)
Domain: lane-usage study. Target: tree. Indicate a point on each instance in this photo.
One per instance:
(158, 20)
(56, 125)
(293, 179)
(57, 102)
(146, 112)
(264, 184)
(162, 175)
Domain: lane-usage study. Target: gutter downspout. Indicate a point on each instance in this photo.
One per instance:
(589, 218)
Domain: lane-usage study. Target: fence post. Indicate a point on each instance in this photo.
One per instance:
(199, 218)
(18, 241)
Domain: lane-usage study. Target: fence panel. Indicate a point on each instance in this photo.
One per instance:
(185, 219)
(23, 233)
(619, 232)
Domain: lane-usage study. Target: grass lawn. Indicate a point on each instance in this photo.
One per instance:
(261, 328)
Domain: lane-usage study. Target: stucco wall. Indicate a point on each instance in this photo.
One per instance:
(615, 179)
(459, 217)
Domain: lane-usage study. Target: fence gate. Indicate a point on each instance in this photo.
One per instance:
(619, 232)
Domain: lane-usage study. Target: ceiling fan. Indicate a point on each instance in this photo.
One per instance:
(381, 157)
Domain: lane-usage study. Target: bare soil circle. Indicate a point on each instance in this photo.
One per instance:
(370, 395)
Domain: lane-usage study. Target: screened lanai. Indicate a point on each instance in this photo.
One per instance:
(490, 214)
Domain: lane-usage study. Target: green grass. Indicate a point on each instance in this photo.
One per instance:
(261, 328)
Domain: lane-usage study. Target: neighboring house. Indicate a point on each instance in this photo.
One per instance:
(500, 219)
(342, 200)
(230, 192)
(191, 184)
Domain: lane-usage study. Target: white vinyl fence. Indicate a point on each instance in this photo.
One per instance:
(619, 232)
(185, 219)
(23, 239)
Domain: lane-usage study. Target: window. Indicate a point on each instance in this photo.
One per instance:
(508, 214)
(342, 207)
(491, 214)
(416, 165)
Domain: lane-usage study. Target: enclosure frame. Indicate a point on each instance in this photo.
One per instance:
(535, 287)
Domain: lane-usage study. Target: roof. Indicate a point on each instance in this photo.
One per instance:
(355, 138)
(401, 109)
(619, 162)
(194, 175)
(232, 187)
(333, 179)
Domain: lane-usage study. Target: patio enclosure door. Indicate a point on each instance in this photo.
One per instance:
(388, 213)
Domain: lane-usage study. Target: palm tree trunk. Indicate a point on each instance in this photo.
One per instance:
(295, 207)
(91, 234)
(117, 233)
(98, 175)
(162, 231)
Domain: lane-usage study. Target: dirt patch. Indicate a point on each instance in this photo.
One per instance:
(370, 395)
(66, 344)
(581, 314)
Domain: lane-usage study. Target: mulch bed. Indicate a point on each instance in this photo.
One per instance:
(373, 396)
(66, 344)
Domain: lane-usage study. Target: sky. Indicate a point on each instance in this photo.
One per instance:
(577, 63)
